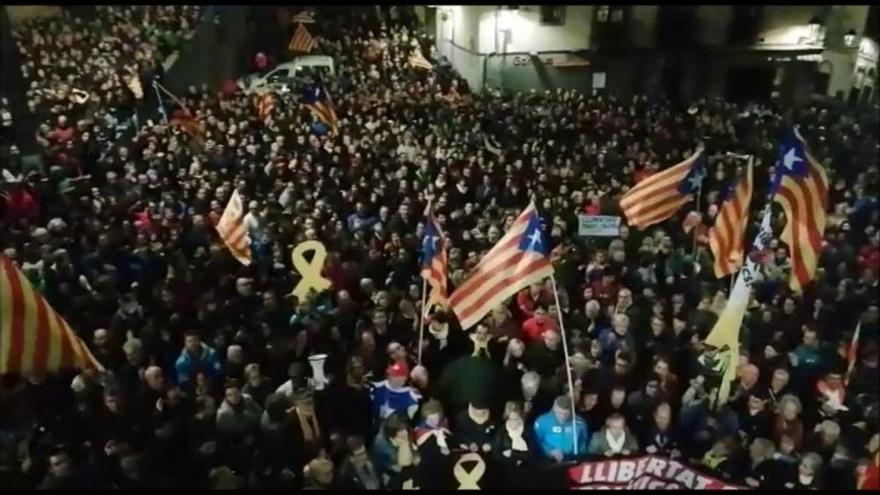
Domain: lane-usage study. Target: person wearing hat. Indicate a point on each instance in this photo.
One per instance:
(393, 394)
(554, 434)
(474, 431)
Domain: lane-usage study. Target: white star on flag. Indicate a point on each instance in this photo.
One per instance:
(697, 179)
(534, 239)
(790, 159)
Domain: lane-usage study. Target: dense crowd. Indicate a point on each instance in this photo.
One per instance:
(208, 381)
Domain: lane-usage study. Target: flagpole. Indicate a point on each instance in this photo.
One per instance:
(169, 93)
(161, 105)
(567, 364)
(696, 230)
(422, 314)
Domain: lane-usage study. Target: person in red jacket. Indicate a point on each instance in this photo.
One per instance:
(528, 299)
(18, 203)
(869, 256)
(534, 327)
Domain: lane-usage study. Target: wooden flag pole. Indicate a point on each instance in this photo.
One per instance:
(567, 365)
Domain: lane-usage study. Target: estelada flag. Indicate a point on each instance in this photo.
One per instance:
(33, 337)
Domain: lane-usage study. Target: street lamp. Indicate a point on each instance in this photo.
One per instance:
(850, 38)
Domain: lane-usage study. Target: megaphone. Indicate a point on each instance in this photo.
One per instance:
(319, 379)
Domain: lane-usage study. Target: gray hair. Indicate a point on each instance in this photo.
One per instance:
(792, 399)
(830, 427)
(530, 378)
(812, 460)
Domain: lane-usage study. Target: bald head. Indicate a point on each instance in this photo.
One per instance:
(750, 375)
(154, 377)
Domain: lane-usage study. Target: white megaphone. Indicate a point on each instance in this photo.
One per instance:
(319, 380)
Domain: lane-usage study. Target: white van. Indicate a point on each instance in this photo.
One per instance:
(285, 76)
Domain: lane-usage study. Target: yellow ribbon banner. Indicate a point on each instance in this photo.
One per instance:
(309, 270)
(469, 480)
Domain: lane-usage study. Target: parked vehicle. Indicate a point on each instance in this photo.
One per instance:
(289, 75)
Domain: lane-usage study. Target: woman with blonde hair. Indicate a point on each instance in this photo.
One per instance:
(513, 444)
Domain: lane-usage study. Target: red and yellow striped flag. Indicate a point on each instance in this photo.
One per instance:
(659, 196)
(302, 40)
(726, 236)
(419, 61)
(265, 104)
(233, 231)
(33, 337)
(801, 187)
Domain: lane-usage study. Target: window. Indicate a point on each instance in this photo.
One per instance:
(553, 14)
(277, 76)
(617, 15)
(602, 13)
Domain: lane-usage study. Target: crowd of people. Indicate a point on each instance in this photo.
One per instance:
(208, 381)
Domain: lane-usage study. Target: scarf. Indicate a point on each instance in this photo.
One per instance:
(441, 335)
(615, 445)
(516, 438)
(309, 424)
(439, 433)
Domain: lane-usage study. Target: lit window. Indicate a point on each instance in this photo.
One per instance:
(602, 13)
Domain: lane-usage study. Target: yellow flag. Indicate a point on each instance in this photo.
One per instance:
(725, 333)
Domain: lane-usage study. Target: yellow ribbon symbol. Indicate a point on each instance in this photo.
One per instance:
(309, 270)
(468, 479)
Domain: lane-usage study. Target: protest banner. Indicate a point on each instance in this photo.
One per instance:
(641, 473)
(598, 226)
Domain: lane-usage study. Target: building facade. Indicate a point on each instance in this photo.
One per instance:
(797, 52)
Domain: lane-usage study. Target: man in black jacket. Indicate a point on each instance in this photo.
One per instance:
(755, 421)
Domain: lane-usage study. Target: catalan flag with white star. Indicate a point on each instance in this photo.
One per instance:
(659, 196)
(800, 186)
(319, 103)
(434, 260)
(519, 258)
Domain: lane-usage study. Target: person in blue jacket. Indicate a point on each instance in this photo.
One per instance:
(553, 430)
(196, 356)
